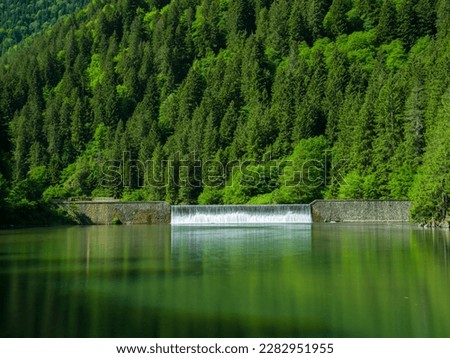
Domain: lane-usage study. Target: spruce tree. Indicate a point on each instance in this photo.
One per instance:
(407, 23)
(426, 17)
(336, 22)
(316, 14)
(369, 10)
(228, 125)
(277, 39)
(443, 18)
(156, 180)
(387, 25)
(430, 193)
(335, 93)
(298, 25)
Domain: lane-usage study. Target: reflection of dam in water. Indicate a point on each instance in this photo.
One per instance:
(240, 214)
(249, 243)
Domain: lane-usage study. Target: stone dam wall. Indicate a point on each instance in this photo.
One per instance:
(109, 212)
(360, 211)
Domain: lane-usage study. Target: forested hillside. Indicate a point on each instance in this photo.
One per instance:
(20, 19)
(232, 101)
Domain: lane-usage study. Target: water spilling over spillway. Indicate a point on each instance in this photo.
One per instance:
(240, 214)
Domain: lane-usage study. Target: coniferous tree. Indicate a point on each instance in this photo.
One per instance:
(105, 102)
(240, 17)
(284, 104)
(190, 94)
(316, 14)
(414, 125)
(156, 179)
(407, 23)
(77, 126)
(443, 18)
(335, 93)
(208, 34)
(387, 26)
(260, 132)
(255, 72)
(369, 11)
(426, 17)
(298, 25)
(336, 22)
(362, 154)
(230, 90)
(228, 125)
(388, 124)
(311, 120)
(210, 139)
(432, 185)
(279, 14)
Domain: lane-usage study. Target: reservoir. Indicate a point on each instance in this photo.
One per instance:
(225, 280)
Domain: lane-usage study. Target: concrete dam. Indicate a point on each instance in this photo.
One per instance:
(113, 212)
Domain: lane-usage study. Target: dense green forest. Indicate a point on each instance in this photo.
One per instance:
(19, 19)
(231, 101)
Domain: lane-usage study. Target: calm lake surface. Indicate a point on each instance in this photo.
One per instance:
(319, 280)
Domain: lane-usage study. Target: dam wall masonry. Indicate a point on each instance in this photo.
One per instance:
(360, 211)
(158, 212)
(111, 212)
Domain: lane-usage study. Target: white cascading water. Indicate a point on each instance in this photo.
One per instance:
(240, 214)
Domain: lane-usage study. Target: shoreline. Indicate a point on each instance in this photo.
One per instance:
(102, 212)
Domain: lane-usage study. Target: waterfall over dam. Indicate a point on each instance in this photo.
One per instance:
(240, 214)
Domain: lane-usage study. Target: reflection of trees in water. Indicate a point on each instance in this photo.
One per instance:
(338, 280)
(434, 243)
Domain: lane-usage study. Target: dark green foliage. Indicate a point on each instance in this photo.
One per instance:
(387, 24)
(208, 101)
(208, 33)
(369, 11)
(298, 23)
(336, 21)
(432, 184)
(443, 17)
(256, 76)
(426, 17)
(407, 23)
(4, 212)
(279, 27)
(311, 120)
(335, 93)
(20, 19)
(317, 9)
(240, 17)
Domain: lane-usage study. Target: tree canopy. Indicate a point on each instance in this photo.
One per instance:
(21, 19)
(225, 101)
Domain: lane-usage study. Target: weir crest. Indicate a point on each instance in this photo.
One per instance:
(240, 214)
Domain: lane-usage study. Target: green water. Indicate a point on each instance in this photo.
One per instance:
(277, 281)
